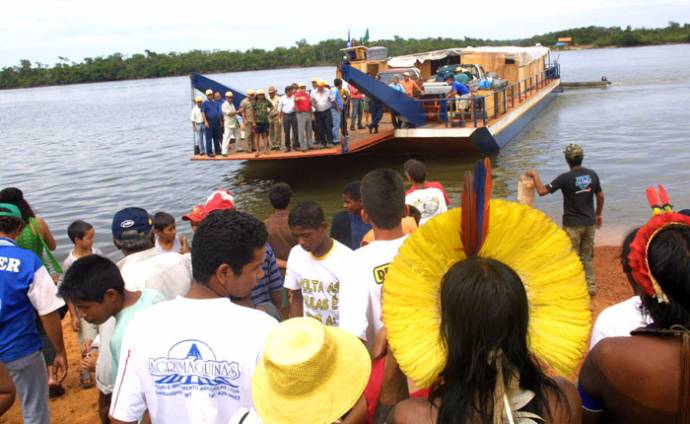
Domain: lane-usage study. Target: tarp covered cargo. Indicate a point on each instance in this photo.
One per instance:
(522, 55)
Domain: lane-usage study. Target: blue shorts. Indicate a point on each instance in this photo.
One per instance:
(261, 128)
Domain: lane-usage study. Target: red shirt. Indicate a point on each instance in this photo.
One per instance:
(354, 93)
(302, 101)
(429, 184)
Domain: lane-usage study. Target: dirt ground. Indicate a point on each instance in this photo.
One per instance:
(78, 406)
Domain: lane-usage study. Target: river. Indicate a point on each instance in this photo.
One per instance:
(85, 151)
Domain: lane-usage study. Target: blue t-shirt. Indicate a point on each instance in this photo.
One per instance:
(460, 88)
(211, 109)
(18, 334)
(359, 229)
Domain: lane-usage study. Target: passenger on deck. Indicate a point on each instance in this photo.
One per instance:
(410, 86)
(262, 108)
(288, 116)
(231, 130)
(303, 110)
(198, 126)
(210, 111)
(395, 85)
(356, 107)
(321, 101)
(337, 105)
(247, 111)
(460, 92)
(274, 119)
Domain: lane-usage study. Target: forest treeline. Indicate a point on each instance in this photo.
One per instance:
(152, 64)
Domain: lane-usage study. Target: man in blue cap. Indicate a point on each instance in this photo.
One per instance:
(27, 289)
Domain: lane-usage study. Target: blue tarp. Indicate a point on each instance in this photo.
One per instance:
(401, 103)
(202, 84)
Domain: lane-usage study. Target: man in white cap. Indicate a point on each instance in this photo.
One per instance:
(247, 111)
(210, 111)
(303, 110)
(198, 127)
(231, 125)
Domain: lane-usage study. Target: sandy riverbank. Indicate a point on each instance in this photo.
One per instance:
(78, 406)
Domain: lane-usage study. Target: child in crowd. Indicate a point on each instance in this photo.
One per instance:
(166, 233)
(262, 108)
(95, 287)
(82, 233)
(383, 199)
(315, 266)
(429, 197)
(348, 226)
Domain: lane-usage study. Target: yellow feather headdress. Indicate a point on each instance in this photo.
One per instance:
(524, 239)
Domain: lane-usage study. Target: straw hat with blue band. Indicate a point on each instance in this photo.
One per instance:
(10, 210)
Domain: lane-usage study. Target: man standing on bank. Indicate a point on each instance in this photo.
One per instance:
(580, 186)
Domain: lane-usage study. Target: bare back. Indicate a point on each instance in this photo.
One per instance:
(636, 379)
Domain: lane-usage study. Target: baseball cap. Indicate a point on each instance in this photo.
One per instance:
(10, 210)
(131, 224)
(209, 91)
(198, 99)
(219, 199)
(271, 89)
(573, 151)
(260, 92)
(250, 92)
(228, 94)
(302, 85)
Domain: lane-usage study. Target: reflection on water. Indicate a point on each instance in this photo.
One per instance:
(84, 151)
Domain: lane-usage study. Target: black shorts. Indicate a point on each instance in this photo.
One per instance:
(261, 128)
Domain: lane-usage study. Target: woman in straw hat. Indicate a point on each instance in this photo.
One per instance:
(310, 374)
(468, 316)
(657, 355)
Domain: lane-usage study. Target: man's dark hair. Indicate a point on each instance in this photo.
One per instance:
(162, 220)
(416, 170)
(78, 229)
(338, 82)
(10, 224)
(306, 215)
(89, 278)
(280, 195)
(225, 237)
(383, 198)
(574, 161)
(353, 190)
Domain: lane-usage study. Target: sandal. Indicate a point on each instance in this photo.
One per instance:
(55, 391)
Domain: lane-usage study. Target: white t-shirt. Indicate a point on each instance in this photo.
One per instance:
(619, 320)
(319, 280)
(360, 294)
(195, 116)
(70, 259)
(175, 249)
(321, 100)
(286, 104)
(429, 201)
(189, 361)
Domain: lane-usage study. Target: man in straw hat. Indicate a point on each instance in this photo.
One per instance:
(579, 186)
(274, 119)
(190, 360)
(247, 111)
(310, 373)
(198, 126)
(232, 129)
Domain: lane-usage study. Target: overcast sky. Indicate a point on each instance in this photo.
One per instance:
(43, 30)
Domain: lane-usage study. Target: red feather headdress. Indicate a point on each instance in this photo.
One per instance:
(663, 217)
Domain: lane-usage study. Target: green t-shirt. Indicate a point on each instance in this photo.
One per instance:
(261, 107)
(148, 297)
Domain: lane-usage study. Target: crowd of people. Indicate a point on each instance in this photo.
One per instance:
(298, 120)
(289, 321)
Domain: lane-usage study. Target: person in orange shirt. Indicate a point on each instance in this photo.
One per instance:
(411, 87)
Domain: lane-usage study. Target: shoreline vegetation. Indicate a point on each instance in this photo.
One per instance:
(117, 67)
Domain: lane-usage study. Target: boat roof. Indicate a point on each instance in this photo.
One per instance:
(521, 55)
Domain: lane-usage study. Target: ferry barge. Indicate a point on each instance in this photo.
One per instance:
(510, 86)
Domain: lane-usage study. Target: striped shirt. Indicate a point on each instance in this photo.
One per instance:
(272, 281)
